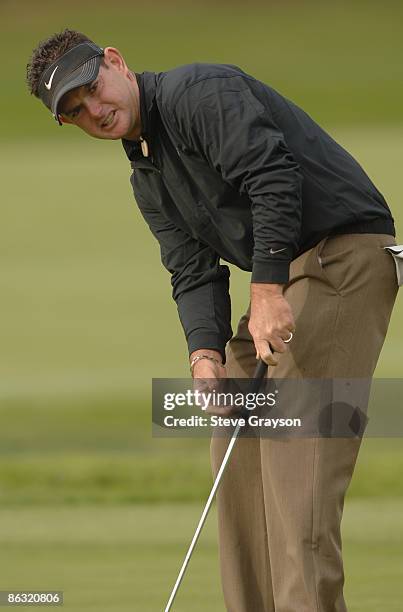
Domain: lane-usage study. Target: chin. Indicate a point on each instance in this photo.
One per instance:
(115, 135)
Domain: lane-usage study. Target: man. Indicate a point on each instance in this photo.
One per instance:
(224, 167)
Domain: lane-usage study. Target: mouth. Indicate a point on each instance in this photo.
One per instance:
(107, 122)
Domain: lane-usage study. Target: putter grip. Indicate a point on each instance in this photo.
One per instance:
(256, 381)
(258, 376)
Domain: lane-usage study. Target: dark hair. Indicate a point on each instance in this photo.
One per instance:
(47, 52)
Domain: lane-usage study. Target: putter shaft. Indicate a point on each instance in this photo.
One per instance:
(254, 387)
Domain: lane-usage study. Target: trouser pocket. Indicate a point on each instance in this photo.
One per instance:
(336, 258)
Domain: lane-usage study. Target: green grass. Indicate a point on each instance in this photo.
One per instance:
(127, 558)
(373, 543)
(106, 478)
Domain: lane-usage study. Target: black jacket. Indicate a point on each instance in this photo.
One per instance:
(237, 172)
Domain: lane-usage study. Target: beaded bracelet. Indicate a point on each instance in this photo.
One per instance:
(199, 357)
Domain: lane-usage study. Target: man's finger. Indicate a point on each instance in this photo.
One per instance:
(288, 335)
(266, 354)
(278, 345)
(204, 387)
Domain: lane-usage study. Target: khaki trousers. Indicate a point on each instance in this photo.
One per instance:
(280, 502)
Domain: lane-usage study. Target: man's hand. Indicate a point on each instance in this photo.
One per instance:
(271, 320)
(207, 375)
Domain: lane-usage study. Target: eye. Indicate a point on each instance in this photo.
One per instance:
(75, 113)
(93, 87)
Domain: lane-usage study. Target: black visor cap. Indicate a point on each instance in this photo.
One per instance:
(78, 66)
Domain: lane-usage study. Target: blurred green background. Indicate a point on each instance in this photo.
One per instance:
(89, 502)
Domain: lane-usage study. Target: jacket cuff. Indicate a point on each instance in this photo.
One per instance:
(204, 340)
(271, 272)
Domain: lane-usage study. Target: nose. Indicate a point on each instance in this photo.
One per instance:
(94, 108)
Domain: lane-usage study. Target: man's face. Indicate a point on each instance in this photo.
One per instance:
(108, 107)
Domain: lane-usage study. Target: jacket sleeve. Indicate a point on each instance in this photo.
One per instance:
(223, 121)
(200, 284)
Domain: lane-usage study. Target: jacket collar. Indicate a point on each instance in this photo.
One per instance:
(147, 82)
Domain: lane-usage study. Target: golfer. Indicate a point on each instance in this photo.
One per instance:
(227, 169)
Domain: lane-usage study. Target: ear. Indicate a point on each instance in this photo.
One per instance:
(114, 58)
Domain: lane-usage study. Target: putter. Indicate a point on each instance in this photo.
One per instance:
(256, 381)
